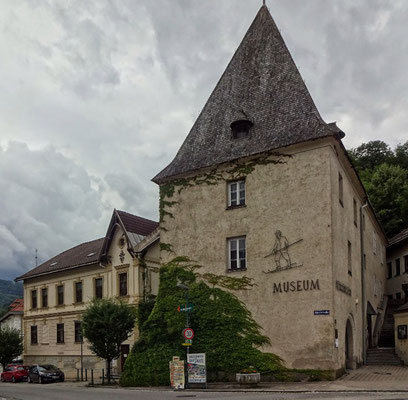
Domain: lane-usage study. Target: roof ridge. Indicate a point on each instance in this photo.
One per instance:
(137, 216)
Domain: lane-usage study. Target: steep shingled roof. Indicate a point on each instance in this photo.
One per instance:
(262, 83)
(135, 224)
(398, 238)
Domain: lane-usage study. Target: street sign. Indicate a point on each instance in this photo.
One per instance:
(196, 368)
(322, 312)
(188, 333)
(187, 343)
(185, 307)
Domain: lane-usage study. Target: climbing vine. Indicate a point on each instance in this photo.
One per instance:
(237, 169)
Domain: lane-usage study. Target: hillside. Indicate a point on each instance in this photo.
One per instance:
(9, 291)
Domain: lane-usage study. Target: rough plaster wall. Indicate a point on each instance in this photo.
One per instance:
(294, 198)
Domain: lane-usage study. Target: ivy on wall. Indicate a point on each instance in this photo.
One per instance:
(224, 330)
(237, 169)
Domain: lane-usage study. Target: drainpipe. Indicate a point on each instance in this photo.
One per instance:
(363, 300)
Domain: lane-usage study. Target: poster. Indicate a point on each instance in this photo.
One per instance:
(196, 368)
(177, 373)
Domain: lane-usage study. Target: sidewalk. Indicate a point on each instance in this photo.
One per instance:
(381, 378)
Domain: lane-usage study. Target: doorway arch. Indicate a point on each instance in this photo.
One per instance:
(349, 345)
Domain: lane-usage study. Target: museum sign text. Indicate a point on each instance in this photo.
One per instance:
(296, 286)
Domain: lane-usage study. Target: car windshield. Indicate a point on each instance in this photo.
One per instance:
(21, 368)
(47, 367)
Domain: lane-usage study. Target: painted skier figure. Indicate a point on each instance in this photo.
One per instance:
(280, 249)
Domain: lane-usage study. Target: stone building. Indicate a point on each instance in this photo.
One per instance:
(122, 264)
(263, 187)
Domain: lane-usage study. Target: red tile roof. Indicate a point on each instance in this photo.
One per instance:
(135, 224)
(17, 305)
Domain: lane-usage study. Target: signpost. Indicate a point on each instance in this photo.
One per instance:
(188, 333)
(321, 312)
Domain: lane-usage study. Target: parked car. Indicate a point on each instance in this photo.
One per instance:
(14, 373)
(45, 373)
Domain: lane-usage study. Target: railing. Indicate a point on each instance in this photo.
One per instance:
(95, 376)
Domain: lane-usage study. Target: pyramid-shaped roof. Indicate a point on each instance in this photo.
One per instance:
(262, 83)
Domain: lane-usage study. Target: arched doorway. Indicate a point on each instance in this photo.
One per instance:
(349, 348)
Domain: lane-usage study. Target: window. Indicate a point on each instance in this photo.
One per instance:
(397, 267)
(34, 336)
(374, 243)
(44, 297)
(340, 189)
(389, 270)
(98, 288)
(34, 298)
(349, 258)
(398, 295)
(389, 296)
(123, 291)
(236, 193)
(406, 264)
(78, 331)
(240, 129)
(60, 295)
(60, 333)
(237, 254)
(355, 211)
(78, 292)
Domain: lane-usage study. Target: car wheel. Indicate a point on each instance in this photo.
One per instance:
(13, 379)
(29, 380)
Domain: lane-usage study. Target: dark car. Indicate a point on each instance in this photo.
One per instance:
(14, 373)
(45, 373)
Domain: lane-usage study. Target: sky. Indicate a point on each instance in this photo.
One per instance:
(97, 96)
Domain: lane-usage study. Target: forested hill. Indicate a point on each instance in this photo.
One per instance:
(9, 291)
(384, 173)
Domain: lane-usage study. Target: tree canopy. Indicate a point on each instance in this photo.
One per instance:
(224, 330)
(384, 173)
(11, 345)
(107, 323)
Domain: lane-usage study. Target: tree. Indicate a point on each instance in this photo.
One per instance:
(107, 323)
(370, 155)
(11, 345)
(224, 329)
(387, 188)
(401, 155)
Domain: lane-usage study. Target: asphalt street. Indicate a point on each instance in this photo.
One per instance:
(25, 391)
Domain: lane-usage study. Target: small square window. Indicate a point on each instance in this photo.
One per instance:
(237, 254)
(236, 193)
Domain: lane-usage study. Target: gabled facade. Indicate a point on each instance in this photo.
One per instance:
(123, 264)
(262, 187)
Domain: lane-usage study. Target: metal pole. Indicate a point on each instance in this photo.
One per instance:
(82, 359)
(86, 375)
(188, 326)
(103, 376)
(92, 381)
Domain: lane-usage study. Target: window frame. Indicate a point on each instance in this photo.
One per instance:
(34, 334)
(44, 304)
(34, 299)
(398, 266)
(239, 201)
(120, 274)
(341, 190)
(58, 293)
(60, 333)
(77, 300)
(78, 337)
(238, 260)
(95, 288)
(355, 212)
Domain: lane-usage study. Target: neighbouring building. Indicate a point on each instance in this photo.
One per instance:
(263, 187)
(395, 331)
(122, 264)
(13, 318)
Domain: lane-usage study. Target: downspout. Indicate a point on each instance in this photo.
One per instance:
(363, 300)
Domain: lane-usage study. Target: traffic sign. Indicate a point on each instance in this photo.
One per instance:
(185, 307)
(188, 333)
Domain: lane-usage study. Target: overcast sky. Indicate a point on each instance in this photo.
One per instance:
(96, 97)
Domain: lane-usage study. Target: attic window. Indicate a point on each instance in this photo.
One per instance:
(240, 129)
(90, 254)
(54, 263)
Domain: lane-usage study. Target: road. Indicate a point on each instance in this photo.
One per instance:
(25, 391)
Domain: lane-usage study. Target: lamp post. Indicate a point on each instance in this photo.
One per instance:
(187, 291)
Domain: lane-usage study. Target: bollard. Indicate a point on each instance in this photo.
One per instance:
(86, 375)
(82, 374)
(103, 376)
(77, 375)
(92, 381)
